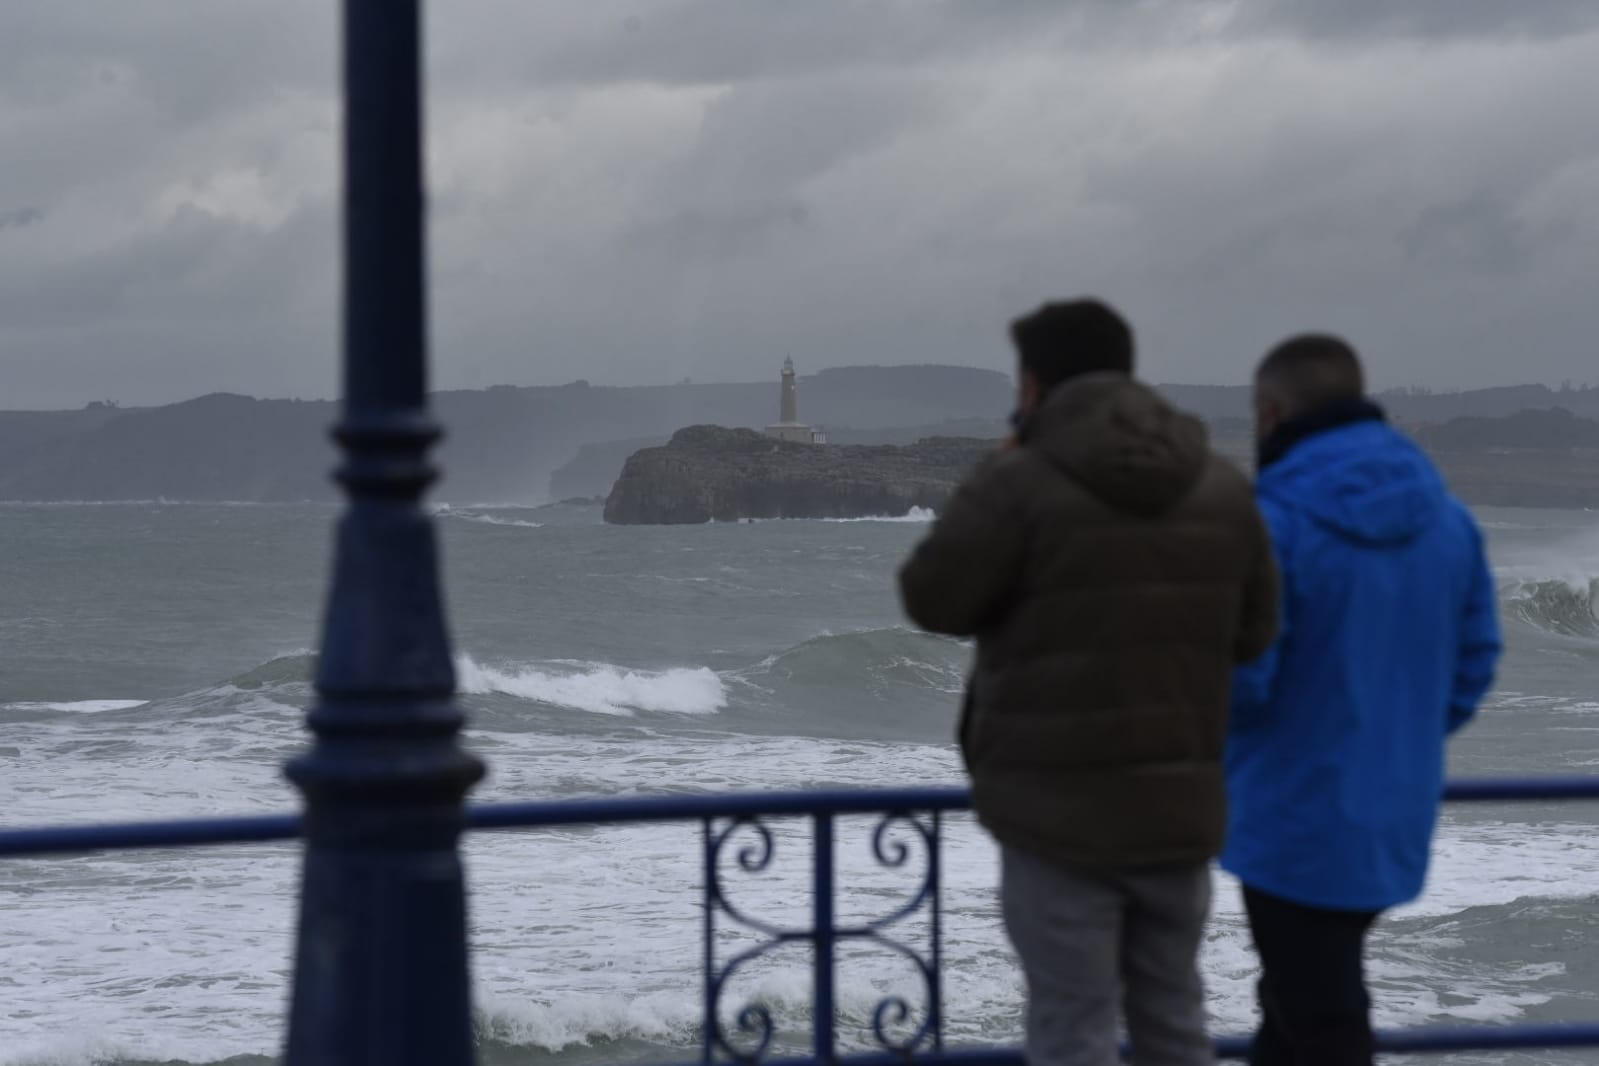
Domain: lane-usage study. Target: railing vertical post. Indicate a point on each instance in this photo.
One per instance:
(708, 1023)
(935, 885)
(825, 938)
(381, 965)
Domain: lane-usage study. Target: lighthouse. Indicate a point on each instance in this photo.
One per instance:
(788, 426)
(788, 408)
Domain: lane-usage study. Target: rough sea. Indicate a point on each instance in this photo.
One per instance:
(154, 662)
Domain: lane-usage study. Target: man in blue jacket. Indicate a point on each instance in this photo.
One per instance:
(1335, 757)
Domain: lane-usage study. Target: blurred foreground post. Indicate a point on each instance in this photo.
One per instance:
(381, 963)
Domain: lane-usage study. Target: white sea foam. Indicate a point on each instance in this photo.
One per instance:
(915, 514)
(78, 706)
(555, 1023)
(600, 687)
(496, 520)
(585, 936)
(444, 510)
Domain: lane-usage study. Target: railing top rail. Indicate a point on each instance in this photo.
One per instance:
(611, 810)
(186, 833)
(1430, 1039)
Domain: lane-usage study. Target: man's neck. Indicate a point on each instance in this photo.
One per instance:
(1280, 441)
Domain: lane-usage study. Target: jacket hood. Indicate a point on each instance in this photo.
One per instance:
(1366, 482)
(1120, 440)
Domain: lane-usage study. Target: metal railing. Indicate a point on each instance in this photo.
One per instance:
(737, 837)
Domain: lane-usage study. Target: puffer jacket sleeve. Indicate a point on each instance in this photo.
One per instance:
(1480, 640)
(1261, 613)
(961, 575)
(1253, 681)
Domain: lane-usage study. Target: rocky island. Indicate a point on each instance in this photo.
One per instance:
(714, 474)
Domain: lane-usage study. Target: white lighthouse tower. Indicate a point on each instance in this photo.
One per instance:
(788, 426)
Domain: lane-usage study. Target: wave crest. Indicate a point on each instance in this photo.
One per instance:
(868, 660)
(915, 514)
(599, 688)
(1562, 607)
(295, 668)
(444, 510)
(582, 1020)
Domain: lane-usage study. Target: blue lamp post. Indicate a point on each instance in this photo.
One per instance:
(381, 967)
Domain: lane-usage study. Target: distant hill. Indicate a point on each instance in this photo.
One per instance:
(1556, 429)
(1411, 406)
(502, 444)
(1419, 406)
(219, 447)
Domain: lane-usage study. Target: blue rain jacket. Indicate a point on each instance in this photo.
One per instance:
(1390, 638)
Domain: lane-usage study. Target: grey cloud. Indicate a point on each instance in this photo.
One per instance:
(18, 217)
(734, 41)
(186, 62)
(1367, 19)
(721, 41)
(729, 231)
(196, 269)
(1478, 233)
(757, 146)
(635, 190)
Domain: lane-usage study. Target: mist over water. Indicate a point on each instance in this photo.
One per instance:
(156, 665)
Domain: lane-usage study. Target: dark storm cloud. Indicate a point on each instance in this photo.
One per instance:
(696, 41)
(629, 190)
(1481, 233)
(186, 61)
(1491, 19)
(18, 217)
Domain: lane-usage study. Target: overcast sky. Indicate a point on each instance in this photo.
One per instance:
(647, 190)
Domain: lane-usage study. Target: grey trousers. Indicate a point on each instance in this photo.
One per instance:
(1097, 942)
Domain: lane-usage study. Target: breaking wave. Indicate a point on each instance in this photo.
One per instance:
(444, 510)
(294, 668)
(599, 687)
(915, 514)
(1562, 607)
(829, 670)
(889, 656)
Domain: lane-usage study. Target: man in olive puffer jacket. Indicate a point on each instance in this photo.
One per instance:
(1113, 570)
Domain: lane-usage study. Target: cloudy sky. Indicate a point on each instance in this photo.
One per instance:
(647, 190)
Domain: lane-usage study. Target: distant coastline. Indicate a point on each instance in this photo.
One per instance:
(1527, 446)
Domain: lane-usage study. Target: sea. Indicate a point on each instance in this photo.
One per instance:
(154, 663)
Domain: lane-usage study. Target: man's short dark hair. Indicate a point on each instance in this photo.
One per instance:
(1064, 339)
(1311, 370)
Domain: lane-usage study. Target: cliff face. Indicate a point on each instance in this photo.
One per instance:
(595, 467)
(708, 473)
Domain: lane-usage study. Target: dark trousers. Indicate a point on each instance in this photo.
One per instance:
(1313, 1002)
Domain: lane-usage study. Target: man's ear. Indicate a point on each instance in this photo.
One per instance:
(1269, 413)
(1032, 391)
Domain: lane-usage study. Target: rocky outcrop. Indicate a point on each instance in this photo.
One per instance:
(708, 473)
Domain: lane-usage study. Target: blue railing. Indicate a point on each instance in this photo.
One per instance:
(737, 837)
(380, 967)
